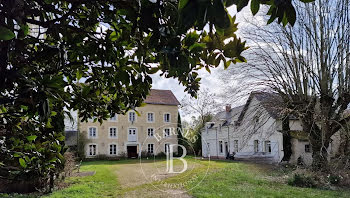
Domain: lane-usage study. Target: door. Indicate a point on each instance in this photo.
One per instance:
(132, 151)
(226, 148)
(132, 135)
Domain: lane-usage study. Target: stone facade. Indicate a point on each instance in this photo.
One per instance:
(125, 136)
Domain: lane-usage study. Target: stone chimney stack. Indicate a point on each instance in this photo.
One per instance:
(228, 108)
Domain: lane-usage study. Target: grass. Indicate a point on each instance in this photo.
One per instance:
(224, 179)
(248, 180)
(102, 184)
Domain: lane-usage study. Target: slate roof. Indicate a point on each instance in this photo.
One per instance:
(162, 97)
(224, 118)
(272, 102)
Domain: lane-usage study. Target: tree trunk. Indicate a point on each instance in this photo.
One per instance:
(287, 144)
(319, 151)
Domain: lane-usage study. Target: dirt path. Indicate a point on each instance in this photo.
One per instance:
(135, 180)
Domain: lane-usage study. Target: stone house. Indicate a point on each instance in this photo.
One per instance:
(254, 132)
(146, 129)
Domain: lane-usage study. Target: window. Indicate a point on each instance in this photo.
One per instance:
(235, 145)
(113, 149)
(256, 145)
(166, 132)
(150, 148)
(167, 117)
(113, 132)
(92, 132)
(166, 148)
(114, 118)
(268, 146)
(132, 117)
(92, 149)
(150, 117)
(150, 132)
(221, 147)
(307, 148)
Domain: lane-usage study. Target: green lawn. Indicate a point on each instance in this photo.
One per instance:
(224, 179)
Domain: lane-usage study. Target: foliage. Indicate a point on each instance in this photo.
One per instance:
(302, 181)
(334, 179)
(146, 154)
(160, 155)
(180, 138)
(193, 133)
(82, 141)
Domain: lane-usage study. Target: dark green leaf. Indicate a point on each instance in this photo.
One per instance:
(254, 6)
(182, 3)
(6, 34)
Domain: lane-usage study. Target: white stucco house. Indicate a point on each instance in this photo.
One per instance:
(254, 132)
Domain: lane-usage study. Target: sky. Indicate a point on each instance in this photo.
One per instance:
(209, 81)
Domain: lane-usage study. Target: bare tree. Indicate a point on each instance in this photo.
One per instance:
(203, 106)
(309, 66)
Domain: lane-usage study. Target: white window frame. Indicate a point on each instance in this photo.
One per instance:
(164, 134)
(148, 148)
(235, 145)
(116, 118)
(153, 120)
(109, 149)
(256, 146)
(134, 116)
(166, 147)
(221, 147)
(152, 132)
(164, 117)
(116, 132)
(88, 149)
(92, 137)
(267, 145)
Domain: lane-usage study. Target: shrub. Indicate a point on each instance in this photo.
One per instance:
(145, 154)
(334, 179)
(161, 155)
(123, 155)
(302, 181)
(81, 145)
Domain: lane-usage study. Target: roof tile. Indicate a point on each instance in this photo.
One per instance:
(162, 97)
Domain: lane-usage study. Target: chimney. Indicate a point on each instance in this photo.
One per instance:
(228, 108)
